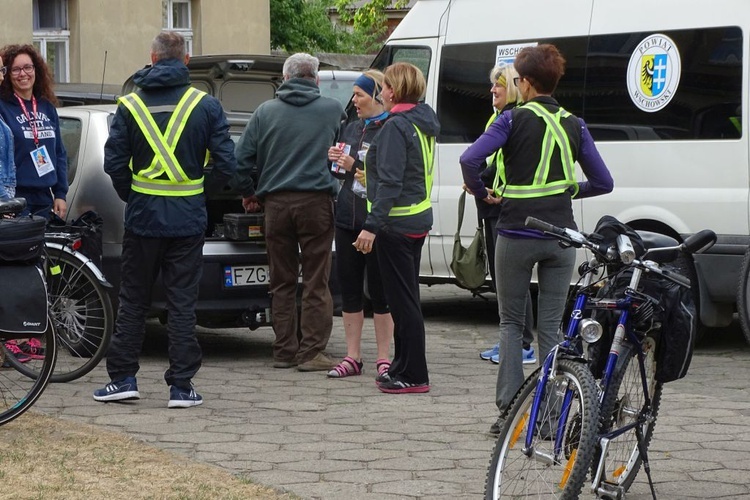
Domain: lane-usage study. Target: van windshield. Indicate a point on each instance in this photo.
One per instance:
(417, 55)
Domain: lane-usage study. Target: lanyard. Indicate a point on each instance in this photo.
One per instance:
(28, 117)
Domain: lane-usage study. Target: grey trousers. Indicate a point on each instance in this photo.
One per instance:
(515, 259)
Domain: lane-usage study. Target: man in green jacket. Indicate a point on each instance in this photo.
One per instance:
(285, 146)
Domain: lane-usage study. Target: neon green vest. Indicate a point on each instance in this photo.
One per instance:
(427, 145)
(554, 137)
(145, 180)
(497, 159)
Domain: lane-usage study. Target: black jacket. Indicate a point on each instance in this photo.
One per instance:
(207, 128)
(395, 171)
(351, 210)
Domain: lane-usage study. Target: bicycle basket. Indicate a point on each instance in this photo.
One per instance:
(21, 240)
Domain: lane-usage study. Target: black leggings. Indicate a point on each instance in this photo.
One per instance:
(351, 266)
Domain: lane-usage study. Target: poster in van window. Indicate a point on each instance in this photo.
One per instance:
(654, 73)
(506, 54)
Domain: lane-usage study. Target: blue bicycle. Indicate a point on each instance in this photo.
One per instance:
(564, 423)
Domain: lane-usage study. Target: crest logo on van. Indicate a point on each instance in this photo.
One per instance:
(654, 73)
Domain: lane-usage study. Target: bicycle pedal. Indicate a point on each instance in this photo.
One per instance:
(609, 491)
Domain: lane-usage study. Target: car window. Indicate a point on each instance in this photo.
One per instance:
(339, 89)
(70, 129)
(245, 97)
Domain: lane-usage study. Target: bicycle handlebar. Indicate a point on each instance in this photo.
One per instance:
(695, 243)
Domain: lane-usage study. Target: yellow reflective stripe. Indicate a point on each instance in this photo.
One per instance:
(427, 145)
(184, 109)
(166, 187)
(491, 158)
(179, 184)
(536, 191)
(553, 135)
(553, 125)
(181, 112)
(151, 132)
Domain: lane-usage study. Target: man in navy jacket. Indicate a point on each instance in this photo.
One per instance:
(156, 167)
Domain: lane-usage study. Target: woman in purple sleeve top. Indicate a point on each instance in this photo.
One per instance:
(541, 143)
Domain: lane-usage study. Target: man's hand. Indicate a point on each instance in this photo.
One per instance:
(60, 208)
(251, 204)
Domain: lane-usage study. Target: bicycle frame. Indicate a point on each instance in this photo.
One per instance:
(569, 347)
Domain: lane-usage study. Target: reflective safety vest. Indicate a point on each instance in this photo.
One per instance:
(554, 137)
(495, 158)
(146, 180)
(491, 158)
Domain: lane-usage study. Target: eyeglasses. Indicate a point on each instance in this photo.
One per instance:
(28, 69)
(517, 79)
(3, 70)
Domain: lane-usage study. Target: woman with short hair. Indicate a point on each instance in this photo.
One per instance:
(398, 173)
(541, 142)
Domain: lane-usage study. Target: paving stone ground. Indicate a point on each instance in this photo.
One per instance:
(341, 439)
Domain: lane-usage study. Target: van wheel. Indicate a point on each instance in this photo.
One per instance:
(743, 296)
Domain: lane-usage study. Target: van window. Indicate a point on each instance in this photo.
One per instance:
(70, 130)
(464, 102)
(245, 97)
(706, 105)
(418, 56)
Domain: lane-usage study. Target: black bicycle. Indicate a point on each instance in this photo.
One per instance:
(27, 333)
(79, 305)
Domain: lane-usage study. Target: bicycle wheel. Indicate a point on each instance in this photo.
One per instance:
(540, 472)
(18, 391)
(621, 406)
(81, 311)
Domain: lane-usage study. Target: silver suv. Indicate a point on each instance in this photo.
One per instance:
(234, 286)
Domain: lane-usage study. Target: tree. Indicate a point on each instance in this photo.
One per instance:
(369, 20)
(303, 25)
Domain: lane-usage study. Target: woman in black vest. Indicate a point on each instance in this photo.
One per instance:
(538, 182)
(505, 96)
(351, 210)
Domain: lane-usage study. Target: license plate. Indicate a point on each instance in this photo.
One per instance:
(246, 275)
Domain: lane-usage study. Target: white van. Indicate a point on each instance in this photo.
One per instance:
(663, 86)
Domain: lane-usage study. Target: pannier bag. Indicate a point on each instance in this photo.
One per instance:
(23, 312)
(89, 227)
(468, 264)
(21, 240)
(678, 332)
(674, 316)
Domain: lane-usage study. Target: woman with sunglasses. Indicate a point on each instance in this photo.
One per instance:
(351, 210)
(27, 105)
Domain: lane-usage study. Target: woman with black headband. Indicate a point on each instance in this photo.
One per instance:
(351, 210)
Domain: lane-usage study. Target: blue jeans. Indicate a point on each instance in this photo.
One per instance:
(515, 259)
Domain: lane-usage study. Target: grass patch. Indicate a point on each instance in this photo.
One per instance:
(43, 457)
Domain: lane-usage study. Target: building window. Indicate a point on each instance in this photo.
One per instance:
(176, 16)
(52, 36)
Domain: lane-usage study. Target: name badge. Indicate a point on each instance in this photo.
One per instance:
(42, 161)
